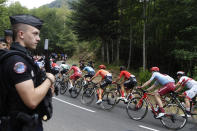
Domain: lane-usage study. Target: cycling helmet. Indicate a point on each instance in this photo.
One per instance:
(102, 67)
(180, 73)
(154, 69)
(122, 68)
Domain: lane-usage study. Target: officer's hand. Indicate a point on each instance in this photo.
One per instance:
(51, 76)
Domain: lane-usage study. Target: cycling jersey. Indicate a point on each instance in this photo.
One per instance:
(54, 65)
(64, 66)
(77, 72)
(187, 82)
(103, 73)
(126, 74)
(162, 79)
(88, 69)
(190, 84)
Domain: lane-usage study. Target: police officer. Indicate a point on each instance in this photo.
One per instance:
(8, 37)
(3, 45)
(25, 94)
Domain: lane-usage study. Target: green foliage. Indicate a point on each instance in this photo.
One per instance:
(144, 75)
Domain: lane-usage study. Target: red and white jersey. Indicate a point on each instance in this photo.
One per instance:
(188, 82)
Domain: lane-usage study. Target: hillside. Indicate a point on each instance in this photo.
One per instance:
(59, 3)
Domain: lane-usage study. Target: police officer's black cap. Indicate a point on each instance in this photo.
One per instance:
(8, 32)
(26, 19)
(2, 39)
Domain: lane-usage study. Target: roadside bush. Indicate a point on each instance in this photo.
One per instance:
(144, 75)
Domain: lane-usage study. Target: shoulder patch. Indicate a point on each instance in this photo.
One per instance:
(20, 67)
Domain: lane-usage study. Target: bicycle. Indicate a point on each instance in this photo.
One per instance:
(193, 108)
(117, 92)
(90, 93)
(137, 109)
(77, 87)
(60, 85)
(65, 83)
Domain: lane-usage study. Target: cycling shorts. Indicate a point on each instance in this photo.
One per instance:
(90, 74)
(75, 76)
(191, 93)
(106, 82)
(130, 83)
(169, 87)
(64, 71)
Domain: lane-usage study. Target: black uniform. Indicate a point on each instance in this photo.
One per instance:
(16, 70)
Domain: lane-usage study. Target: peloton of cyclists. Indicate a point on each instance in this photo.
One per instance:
(167, 83)
(128, 83)
(106, 79)
(191, 85)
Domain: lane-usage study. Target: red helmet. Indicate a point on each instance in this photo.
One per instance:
(154, 69)
(102, 67)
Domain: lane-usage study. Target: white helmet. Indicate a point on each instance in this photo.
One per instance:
(181, 73)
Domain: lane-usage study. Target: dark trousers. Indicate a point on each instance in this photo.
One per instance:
(38, 127)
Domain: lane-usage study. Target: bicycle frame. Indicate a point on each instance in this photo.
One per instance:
(145, 96)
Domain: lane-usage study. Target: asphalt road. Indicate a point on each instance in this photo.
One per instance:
(71, 115)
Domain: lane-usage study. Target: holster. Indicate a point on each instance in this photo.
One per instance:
(4, 123)
(25, 122)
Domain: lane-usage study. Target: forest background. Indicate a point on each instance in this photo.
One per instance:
(138, 34)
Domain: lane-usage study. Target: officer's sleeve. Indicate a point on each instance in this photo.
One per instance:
(17, 69)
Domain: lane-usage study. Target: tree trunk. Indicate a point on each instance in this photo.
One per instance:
(112, 50)
(117, 50)
(144, 38)
(130, 46)
(103, 51)
(107, 44)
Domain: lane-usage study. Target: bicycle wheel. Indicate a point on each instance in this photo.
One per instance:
(175, 117)
(88, 96)
(116, 94)
(76, 89)
(137, 108)
(63, 87)
(108, 100)
(194, 113)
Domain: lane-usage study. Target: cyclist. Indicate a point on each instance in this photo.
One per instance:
(77, 74)
(128, 83)
(90, 72)
(64, 68)
(191, 85)
(168, 85)
(106, 79)
(55, 68)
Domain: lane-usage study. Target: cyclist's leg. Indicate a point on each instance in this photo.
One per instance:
(169, 87)
(100, 91)
(122, 90)
(189, 94)
(71, 79)
(158, 100)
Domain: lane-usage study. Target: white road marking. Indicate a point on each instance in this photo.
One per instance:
(74, 105)
(148, 128)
